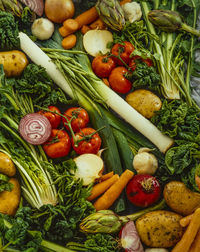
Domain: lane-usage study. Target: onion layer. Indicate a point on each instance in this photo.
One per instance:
(35, 128)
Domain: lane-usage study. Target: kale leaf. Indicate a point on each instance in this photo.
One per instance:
(8, 32)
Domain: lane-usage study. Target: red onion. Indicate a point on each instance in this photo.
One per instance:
(35, 128)
(35, 5)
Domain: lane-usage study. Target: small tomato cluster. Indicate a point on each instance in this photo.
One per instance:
(118, 66)
(75, 120)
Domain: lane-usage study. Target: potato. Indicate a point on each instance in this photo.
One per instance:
(13, 62)
(159, 229)
(7, 166)
(144, 101)
(9, 201)
(180, 198)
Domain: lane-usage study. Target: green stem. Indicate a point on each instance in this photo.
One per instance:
(190, 29)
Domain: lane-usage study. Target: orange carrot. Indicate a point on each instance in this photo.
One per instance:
(106, 176)
(105, 81)
(71, 25)
(101, 187)
(195, 247)
(184, 222)
(98, 24)
(197, 180)
(110, 196)
(87, 17)
(69, 41)
(125, 1)
(84, 29)
(63, 31)
(190, 233)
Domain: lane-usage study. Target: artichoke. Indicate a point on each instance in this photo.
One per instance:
(111, 13)
(106, 221)
(170, 21)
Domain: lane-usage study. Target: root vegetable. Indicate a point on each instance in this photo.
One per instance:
(84, 29)
(42, 28)
(196, 243)
(106, 176)
(184, 222)
(71, 25)
(87, 17)
(59, 11)
(110, 196)
(101, 187)
(14, 62)
(63, 31)
(9, 201)
(69, 41)
(98, 24)
(89, 168)
(7, 166)
(95, 42)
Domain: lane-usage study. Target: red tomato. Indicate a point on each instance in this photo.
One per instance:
(133, 62)
(102, 66)
(53, 118)
(143, 190)
(58, 145)
(118, 80)
(89, 144)
(80, 118)
(123, 50)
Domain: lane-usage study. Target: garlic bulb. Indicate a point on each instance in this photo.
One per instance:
(42, 28)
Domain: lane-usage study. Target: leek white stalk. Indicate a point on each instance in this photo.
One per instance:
(113, 100)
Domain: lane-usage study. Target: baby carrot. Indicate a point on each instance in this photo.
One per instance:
(69, 41)
(106, 176)
(101, 187)
(184, 222)
(84, 29)
(63, 31)
(110, 196)
(195, 247)
(98, 24)
(87, 17)
(71, 25)
(190, 233)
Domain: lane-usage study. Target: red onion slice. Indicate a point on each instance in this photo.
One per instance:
(35, 128)
(35, 5)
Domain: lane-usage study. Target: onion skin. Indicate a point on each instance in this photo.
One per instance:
(59, 10)
(35, 128)
(35, 5)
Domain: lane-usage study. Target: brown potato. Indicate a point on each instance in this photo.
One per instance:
(144, 101)
(7, 166)
(9, 201)
(180, 198)
(159, 229)
(13, 62)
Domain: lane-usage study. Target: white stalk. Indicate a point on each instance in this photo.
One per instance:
(114, 101)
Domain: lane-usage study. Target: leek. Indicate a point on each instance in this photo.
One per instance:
(65, 81)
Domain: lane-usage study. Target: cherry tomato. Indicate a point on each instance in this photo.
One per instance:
(80, 118)
(149, 62)
(123, 50)
(89, 144)
(118, 80)
(53, 118)
(102, 66)
(58, 145)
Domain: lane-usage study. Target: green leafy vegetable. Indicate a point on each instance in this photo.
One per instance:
(4, 183)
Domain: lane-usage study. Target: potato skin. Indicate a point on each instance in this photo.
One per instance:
(7, 166)
(159, 229)
(144, 101)
(180, 198)
(9, 201)
(13, 62)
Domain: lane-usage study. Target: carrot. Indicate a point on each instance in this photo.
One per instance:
(98, 24)
(195, 247)
(84, 29)
(105, 81)
(87, 17)
(109, 197)
(184, 222)
(106, 176)
(197, 180)
(125, 1)
(101, 187)
(190, 233)
(69, 41)
(71, 25)
(63, 31)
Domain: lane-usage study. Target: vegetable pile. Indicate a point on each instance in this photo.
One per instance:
(99, 128)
